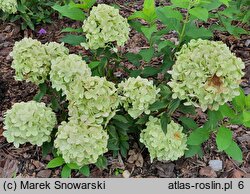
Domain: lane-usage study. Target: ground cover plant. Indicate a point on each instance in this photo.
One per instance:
(90, 106)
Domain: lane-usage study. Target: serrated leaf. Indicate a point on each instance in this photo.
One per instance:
(42, 92)
(193, 150)
(181, 4)
(224, 138)
(234, 151)
(199, 12)
(66, 172)
(149, 71)
(134, 58)
(213, 118)
(187, 109)
(148, 31)
(226, 111)
(170, 13)
(78, 30)
(47, 148)
(56, 162)
(239, 101)
(70, 12)
(73, 166)
(158, 105)
(73, 40)
(247, 101)
(171, 23)
(102, 162)
(147, 54)
(94, 64)
(173, 105)
(165, 120)
(198, 136)
(120, 118)
(188, 122)
(85, 170)
(142, 120)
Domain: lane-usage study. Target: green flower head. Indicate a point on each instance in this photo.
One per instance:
(81, 143)
(30, 61)
(8, 6)
(55, 50)
(105, 25)
(67, 71)
(95, 100)
(169, 146)
(136, 95)
(29, 122)
(206, 74)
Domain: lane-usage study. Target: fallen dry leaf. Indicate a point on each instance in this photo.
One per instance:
(10, 168)
(208, 172)
(135, 158)
(44, 174)
(236, 174)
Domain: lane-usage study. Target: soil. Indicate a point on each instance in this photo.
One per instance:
(27, 161)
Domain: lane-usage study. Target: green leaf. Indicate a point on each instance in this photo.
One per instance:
(94, 64)
(73, 166)
(181, 4)
(173, 105)
(134, 58)
(42, 92)
(148, 31)
(165, 91)
(85, 4)
(149, 9)
(149, 71)
(158, 105)
(234, 151)
(187, 109)
(193, 150)
(78, 30)
(120, 118)
(239, 101)
(169, 12)
(246, 116)
(165, 120)
(73, 40)
(247, 101)
(138, 15)
(142, 120)
(226, 2)
(66, 172)
(226, 111)
(224, 138)
(200, 13)
(171, 23)
(56, 162)
(165, 43)
(213, 118)
(198, 136)
(70, 12)
(194, 32)
(147, 54)
(102, 162)
(188, 123)
(85, 170)
(47, 148)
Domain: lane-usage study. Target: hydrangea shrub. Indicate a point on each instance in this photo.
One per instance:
(206, 74)
(81, 143)
(136, 95)
(169, 146)
(30, 122)
(8, 6)
(105, 25)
